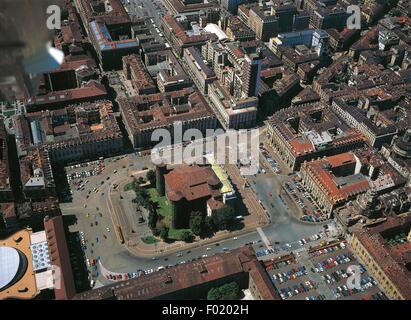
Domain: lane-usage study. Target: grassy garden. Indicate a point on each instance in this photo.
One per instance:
(149, 240)
(164, 210)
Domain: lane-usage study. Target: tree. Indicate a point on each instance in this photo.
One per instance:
(141, 180)
(186, 236)
(228, 291)
(214, 294)
(164, 232)
(196, 222)
(223, 218)
(152, 219)
(209, 224)
(151, 176)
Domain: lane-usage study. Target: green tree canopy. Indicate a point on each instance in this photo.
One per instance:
(152, 219)
(186, 236)
(223, 218)
(228, 291)
(196, 222)
(151, 176)
(164, 232)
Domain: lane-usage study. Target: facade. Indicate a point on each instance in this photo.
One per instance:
(108, 26)
(310, 131)
(60, 257)
(201, 73)
(326, 14)
(387, 261)
(71, 73)
(6, 192)
(267, 22)
(237, 30)
(312, 38)
(334, 180)
(144, 114)
(232, 113)
(80, 131)
(109, 51)
(376, 135)
(134, 71)
(251, 75)
(189, 7)
(89, 92)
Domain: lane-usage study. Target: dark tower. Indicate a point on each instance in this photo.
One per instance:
(161, 170)
(251, 74)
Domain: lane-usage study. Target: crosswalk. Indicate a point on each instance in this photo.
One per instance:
(264, 238)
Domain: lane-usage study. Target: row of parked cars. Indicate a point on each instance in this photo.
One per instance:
(335, 277)
(271, 161)
(262, 253)
(124, 276)
(344, 291)
(379, 296)
(332, 262)
(319, 297)
(331, 249)
(297, 289)
(99, 167)
(290, 275)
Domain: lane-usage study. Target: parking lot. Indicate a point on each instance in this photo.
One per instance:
(291, 279)
(312, 273)
(332, 262)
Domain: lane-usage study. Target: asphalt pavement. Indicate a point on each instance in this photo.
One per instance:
(285, 228)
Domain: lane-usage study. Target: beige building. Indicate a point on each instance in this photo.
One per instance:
(233, 113)
(334, 180)
(386, 258)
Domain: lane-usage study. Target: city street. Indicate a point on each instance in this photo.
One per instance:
(145, 9)
(284, 227)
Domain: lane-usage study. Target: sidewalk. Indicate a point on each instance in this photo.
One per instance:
(134, 244)
(144, 250)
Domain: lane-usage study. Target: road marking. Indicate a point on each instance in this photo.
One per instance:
(264, 238)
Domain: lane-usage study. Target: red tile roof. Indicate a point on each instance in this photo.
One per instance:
(321, 170)
(174, 281)
(60, 257)
(191, 183)
(392, 259)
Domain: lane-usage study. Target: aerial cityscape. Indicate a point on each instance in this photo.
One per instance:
(205, 150)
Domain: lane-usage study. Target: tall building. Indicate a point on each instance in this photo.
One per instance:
(251, 74)
(267, 22)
